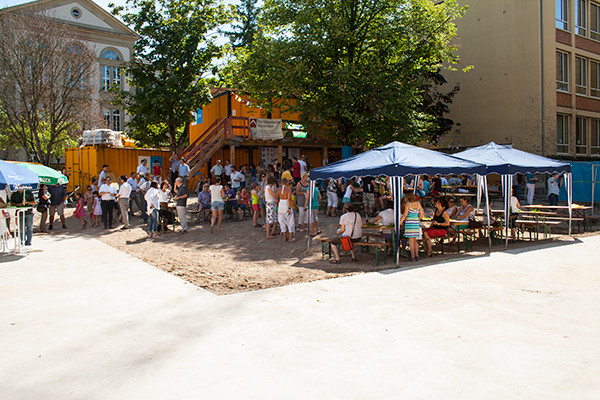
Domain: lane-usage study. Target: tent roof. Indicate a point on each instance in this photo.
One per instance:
(506, 160)
(397, 159)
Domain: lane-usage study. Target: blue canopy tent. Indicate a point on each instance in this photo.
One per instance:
(395, 160)
(17, 177)
(506, 161)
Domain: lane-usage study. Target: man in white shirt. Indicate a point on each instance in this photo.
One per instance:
(227, 171)
(124, 196)
(142, 169)
(236, 179)
(102, 174)
(184, 171)
(302, 162)
(217, 170)
(108, 194)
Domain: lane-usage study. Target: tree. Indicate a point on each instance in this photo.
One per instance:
(362, 65)
(172, 60)
(45, 90)
(245, 25)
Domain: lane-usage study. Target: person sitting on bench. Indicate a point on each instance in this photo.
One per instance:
(439, 227)
(351, 226)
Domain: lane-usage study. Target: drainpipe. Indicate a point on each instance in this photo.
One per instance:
(543, 79)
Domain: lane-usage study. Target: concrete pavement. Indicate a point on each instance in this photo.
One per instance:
(81, 320)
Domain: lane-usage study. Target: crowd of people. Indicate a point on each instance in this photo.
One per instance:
(275, 196)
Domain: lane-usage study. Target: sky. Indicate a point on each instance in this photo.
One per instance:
(102, 3)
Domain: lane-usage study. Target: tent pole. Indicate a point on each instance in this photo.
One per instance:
(311, 188)
(569, 179)
(487, 211)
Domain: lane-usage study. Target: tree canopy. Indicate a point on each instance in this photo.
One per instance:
(45, 85)
(244, 25)
(364, 65)
(169, 72)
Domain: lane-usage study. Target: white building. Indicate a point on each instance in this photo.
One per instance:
(111, 40)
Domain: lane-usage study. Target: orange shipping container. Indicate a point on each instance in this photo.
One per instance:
(84, 163)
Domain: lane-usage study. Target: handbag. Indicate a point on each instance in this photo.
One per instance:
(41, 208)
(347, 244)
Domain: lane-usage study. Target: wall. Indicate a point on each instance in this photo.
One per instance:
(85, 163)
(500, 99)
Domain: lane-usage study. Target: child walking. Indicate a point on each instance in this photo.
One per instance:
(97, 210)
(80, 213)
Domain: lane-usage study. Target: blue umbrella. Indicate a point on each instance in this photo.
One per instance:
(17, 177)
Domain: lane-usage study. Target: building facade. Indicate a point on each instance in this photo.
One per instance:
(110, 40)
(535, 81)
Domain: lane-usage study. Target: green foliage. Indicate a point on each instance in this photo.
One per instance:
(364, 65)
(173, 57)
(245, 24)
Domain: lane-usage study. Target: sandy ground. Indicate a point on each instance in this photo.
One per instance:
(240, 258)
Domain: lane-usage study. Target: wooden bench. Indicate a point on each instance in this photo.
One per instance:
(378, 246)
(530, 225)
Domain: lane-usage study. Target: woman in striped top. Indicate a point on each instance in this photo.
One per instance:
(411, 218)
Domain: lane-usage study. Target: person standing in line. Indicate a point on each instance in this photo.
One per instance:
(217, 170)
(217, 205)
(296, 174)
(58, 196)
(333, 187)
(133, 196)
(95, 186)
(303, 166)
(174, 166)
(151, 198)
(530, 180)
(301, 190)
(554, 184)
(97, 210)
(285, 214)
(88, 198)
(123, 196)
(103, 171)
(227, 171)
(142, 169)
(143, 186)
(108, 194)
(43, 204)
(236, 179)
(181, 195)
(184, 171)
(157, 171)
(271, 202)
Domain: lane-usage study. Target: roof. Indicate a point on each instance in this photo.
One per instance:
(507, 160)
(397, 159)
(104, 21)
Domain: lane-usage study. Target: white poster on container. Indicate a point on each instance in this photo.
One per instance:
(266, 129)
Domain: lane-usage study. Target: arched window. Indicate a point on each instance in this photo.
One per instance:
(110, 73)
(110, 55)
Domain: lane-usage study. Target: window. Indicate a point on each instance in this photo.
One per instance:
(562, 8)
(581, 133)
(581, 75)
(112, 119)
(562, 71)
(595, 136)
(581, 17)
(116, 122)
(594, 21)
(562, 134)
(75, 12)
(111, 73)
(594, 79)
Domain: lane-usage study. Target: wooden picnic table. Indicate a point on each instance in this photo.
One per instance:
(579, 211)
